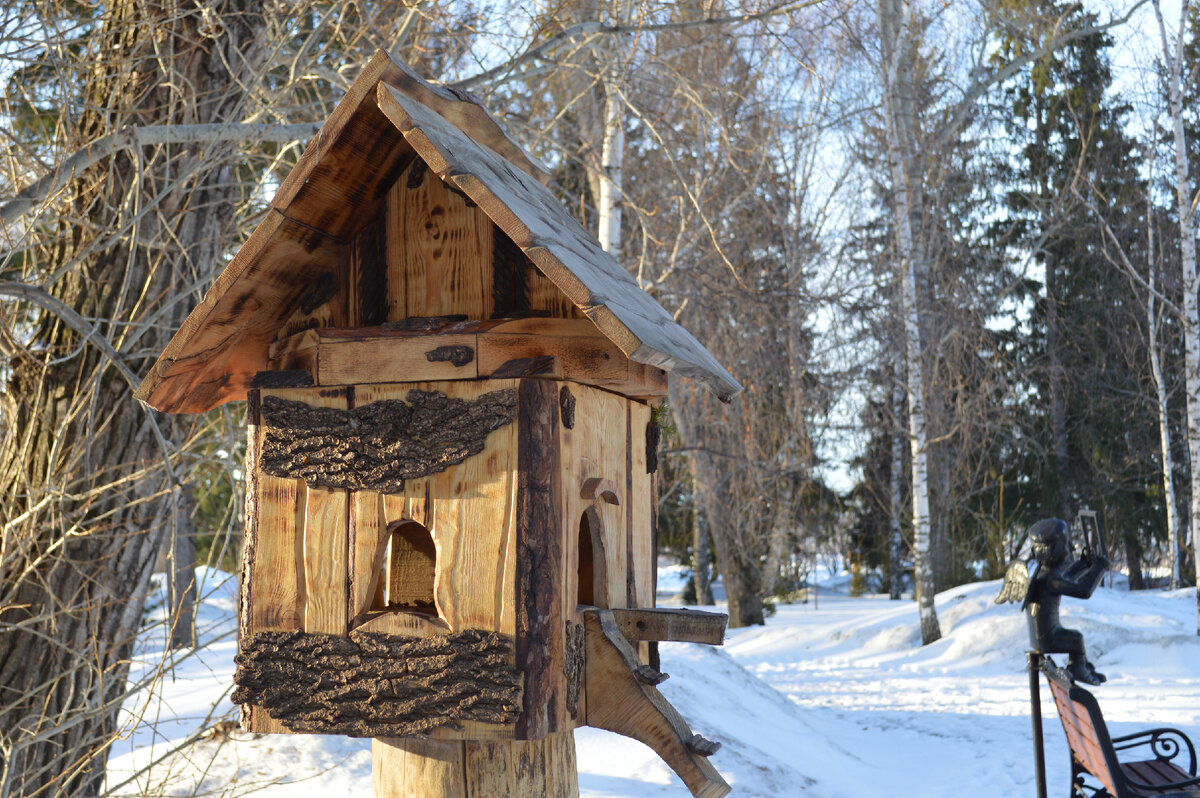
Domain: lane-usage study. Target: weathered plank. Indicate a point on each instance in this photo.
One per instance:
(541, 621)
(589, 358)
(274, 544)
(595, 449)
(394, 359)
(562, 250)
(640, 507)
(343, 174)
(469, 509)
(439, 250)
(368, 539)
(677, 625)
(326, 537)
(617, 700)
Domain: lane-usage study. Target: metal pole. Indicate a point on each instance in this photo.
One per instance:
(1033, 661)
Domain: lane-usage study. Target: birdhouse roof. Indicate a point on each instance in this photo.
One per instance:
(387, 118)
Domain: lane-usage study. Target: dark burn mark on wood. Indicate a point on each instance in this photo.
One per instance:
(653, 439)
(540, 628)
(416, 175)
(380, 445)
(510, 288)
(573, 665)
(525, 367)
(422, 323)
(287, 378)
(566, 407)
(373, 685)
(371, 256)
(456, 355)
(324, 289)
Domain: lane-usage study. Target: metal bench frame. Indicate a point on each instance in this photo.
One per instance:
(1095, 754)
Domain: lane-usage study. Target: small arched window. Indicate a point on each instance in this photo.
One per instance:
(409, 566)
(593, 581)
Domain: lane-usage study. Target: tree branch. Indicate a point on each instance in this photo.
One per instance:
(964, 108)
(588, 30)
(93, 153)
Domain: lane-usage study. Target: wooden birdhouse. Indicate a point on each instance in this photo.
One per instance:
(449, 540)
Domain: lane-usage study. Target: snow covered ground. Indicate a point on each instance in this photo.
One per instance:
(834, 701)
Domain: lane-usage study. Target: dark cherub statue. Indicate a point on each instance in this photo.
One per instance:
(1041, 583)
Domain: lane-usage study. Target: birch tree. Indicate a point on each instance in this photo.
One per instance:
(897, 31)
(1185, 203)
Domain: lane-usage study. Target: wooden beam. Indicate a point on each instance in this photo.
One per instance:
(619, 701)
(466, 351)
(674, 625)
(541, 627)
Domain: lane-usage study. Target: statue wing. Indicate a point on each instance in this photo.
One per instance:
(1016, 584)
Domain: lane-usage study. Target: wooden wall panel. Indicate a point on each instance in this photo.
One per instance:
(368, 538)
(439, 250)
(469, 510)
(326, 537)
(274, 545)
(596, 448)
(640, 506)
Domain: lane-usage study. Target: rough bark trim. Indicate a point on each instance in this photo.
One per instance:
(566, 406)
(456, 355)
(286, 378)
(422, 323)
(540, 628)
(378, 446)
(573, 664)
(525, 367)
(653, 440)
(373, 685)
(324, 288)
(510, 288)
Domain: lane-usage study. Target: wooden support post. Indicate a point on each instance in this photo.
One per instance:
(422, 768)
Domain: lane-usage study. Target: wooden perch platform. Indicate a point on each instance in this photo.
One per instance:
(671, 625)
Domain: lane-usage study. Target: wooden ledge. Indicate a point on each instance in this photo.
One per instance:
(671, 625)
(562, 349)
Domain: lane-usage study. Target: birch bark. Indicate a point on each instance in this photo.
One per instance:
(896, 18)
(1187, 242)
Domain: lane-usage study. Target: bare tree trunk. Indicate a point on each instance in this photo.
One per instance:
(896, 25)
(86, 473)
(1164, 426)
(182, 571)
(1191, 303)
(895, 547)
(701, 560)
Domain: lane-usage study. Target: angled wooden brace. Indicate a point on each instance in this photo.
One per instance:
(622, 701)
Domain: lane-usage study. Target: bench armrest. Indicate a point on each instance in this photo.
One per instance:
(1164, 743)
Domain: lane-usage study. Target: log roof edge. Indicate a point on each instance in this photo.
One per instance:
(388, 117)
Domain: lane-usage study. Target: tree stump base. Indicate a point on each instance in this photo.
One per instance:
(404, 767)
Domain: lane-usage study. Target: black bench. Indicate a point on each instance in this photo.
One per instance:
(1107, 760)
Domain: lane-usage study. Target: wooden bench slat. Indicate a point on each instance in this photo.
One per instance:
(1092, 749)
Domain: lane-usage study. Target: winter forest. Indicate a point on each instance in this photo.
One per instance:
(948, 249)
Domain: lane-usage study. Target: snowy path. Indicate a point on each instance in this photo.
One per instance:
(837, 702)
